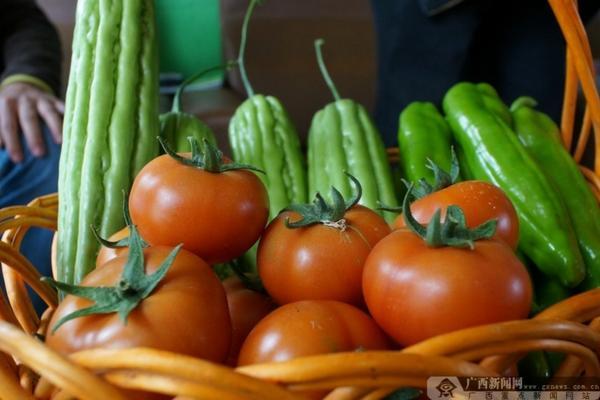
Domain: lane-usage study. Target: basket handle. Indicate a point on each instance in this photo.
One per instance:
(580, 53)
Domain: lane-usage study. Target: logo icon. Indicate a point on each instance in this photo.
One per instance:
(445, 388)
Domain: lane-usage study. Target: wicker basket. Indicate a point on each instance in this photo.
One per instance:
(30, 370)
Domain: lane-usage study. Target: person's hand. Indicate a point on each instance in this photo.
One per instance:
(21, 106)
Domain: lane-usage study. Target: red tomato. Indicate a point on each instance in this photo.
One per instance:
(217, 216)
(108, 253)
(186, 313)
(480, 201)
(415, 292)
(318, 262)
(311, 327)
(246, 308)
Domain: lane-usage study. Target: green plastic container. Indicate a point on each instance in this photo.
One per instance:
(189, 39)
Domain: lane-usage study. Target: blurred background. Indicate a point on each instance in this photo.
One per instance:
(197, 34)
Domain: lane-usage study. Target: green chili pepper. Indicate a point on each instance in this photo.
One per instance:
(546, 290)
(554, 360)
(494, 103)
(423, 135)
(541, 137)
(493, 153)
(343, 140)
(535, 365)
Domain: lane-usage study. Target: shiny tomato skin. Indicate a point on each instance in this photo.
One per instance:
(311, 327)
(186, 313)
(480, 201)
(415, 292)
(246, 308)
(217, 216)
(318, 262)
(105, 254)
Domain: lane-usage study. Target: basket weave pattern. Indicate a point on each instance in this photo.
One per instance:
(30, 370)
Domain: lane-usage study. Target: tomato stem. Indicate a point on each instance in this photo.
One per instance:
(251, 282)
(107, 243)
(320, 212)
(422, 188)
(452, 232)
(207, 157)
(133, 287)
(123, 242)
(442, 178)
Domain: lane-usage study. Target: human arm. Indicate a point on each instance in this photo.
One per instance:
(31, 58)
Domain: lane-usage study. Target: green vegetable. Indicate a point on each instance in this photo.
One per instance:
(110, 125)
(176, 126)
(494, 103)
(541, 137)
(262, 134)
(133, 287)
(492, 152)
(423, 135)
(555, 360)
(535, 365)
(546, 290)
(453, 232)
(343, 139)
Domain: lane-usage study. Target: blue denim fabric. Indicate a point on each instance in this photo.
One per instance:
(21, 183)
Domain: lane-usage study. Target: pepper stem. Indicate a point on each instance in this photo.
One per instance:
(452, 232)
(176, 107)
(318, 44)
(240, 60)
(523, 101)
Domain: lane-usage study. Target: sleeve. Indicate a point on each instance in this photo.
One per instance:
(30, 43)
(435, 7)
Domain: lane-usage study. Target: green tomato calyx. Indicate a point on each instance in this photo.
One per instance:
(422, 188)
(320, 212)
(133, 286)
(452, 232)
(208, 157)
(441, 179)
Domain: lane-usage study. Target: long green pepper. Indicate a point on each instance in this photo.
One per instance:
(541, 137)
(344, 140)
(493, 102)
(262, 134)
(423, 134)
(110, 125)
(547, 290)
(493, 153)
